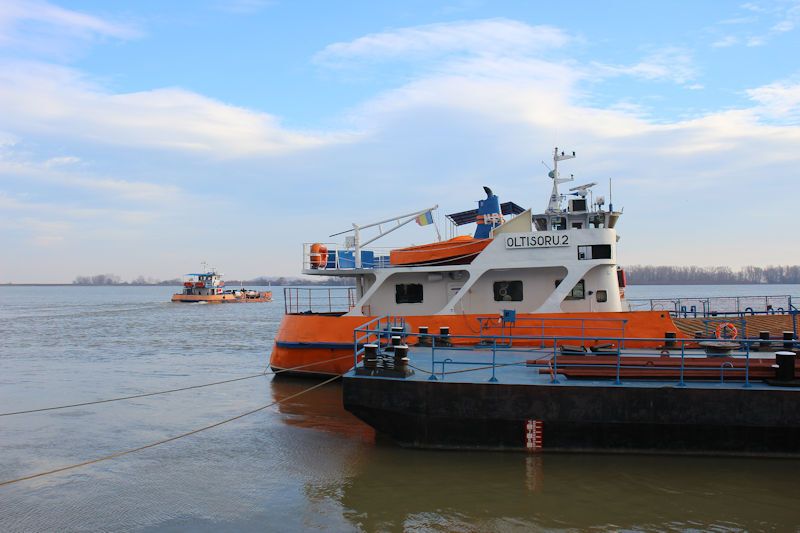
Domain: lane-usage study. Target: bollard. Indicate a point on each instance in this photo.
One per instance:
(670, 336)
(423, 339)
(788, 340)
(396, 340)
(370, 356)
(400, 353)
(698, 334)
(444, 334)
(784, 370)
(763, 346)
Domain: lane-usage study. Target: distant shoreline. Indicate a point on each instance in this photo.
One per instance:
(301, 283)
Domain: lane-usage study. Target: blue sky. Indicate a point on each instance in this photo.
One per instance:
(141, 138)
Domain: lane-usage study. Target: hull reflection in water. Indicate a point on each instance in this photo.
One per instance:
(320, 409)
(397, 489)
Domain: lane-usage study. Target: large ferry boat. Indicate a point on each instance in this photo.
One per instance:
(555, 271)
(208, 287)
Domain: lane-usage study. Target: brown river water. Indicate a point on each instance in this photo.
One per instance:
(304, 464)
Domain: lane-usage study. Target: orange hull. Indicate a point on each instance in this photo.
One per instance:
(458, 250)
(324, 344)
(219, 298)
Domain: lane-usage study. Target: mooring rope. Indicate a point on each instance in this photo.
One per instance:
(266, 372)
(164, 441)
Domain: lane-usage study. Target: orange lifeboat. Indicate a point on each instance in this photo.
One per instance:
(318, 255)
(188, 284)
(200, 284)
(456, 251)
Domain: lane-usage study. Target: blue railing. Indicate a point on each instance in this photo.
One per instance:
(543, 325)
(717, 306)
(374, 332)
(550, 358)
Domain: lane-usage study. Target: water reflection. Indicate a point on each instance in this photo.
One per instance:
(396, 489)
(319, 409)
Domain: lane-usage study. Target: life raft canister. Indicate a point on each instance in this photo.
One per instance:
(200, 284)
(188, 284)
(318, 255)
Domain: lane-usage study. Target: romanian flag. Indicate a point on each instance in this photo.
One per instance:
(425, 218)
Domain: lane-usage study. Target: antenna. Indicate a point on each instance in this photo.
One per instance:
(583, 189)
(555, 197)
(610, 201)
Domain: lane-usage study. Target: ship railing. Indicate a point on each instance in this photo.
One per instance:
(650, 355)
(318, 300)
(377, 331)
(717, 305)
(543, 326)
(338, 257)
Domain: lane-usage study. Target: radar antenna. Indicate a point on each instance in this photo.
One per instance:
(582, 190)
(555, 198)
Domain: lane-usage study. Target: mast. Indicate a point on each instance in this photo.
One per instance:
(555, 198)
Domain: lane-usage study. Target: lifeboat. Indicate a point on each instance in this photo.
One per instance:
(200, 284)
(188, 284)
(456, 251)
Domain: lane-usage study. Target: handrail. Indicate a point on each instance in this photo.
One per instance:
(678, 348)
(701, 307)
(311, 300)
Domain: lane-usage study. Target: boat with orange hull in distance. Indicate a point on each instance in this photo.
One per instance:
(520, 275)
(208, 287)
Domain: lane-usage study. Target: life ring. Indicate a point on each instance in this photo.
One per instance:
(318, 255)
(726, 330)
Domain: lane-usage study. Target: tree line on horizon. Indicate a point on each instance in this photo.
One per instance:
(636, 275)
(113, 279)
(712, 275)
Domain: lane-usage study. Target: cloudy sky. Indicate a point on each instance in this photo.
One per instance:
(143, 137)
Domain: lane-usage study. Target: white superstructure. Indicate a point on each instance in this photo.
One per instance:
(563, 260)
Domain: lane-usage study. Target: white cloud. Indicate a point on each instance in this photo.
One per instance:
(40, 25)
(482, 37)
(667, 64)
(779, 101)
(47, 99)
(724, 42)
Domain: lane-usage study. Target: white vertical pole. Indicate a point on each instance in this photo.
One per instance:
(358, 246)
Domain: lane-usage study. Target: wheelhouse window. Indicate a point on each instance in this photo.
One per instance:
(602, 296)
(595, 251)
(507, 291)
(558, 223)
(408, 293)
(578, 292)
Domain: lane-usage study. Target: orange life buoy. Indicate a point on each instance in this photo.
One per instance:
(726, 330)
(318, 255)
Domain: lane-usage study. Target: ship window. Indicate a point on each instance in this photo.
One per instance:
(578, 292)
(595, 251)
(541, 223)
(602, 296)
(558, 223)
(507, 291)
(408, 293)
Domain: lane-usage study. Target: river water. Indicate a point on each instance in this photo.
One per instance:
(304, 464)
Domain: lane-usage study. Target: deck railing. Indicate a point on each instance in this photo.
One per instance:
(558, 348)
(318, 300)
(543, 326)
(716, 306)
(338, 257)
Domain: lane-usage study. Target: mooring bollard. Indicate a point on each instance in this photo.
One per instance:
(444, 334)
(423, 339)
(370, 356)
(784, 366)
(788, 340)
(698, 334)
(764, 344)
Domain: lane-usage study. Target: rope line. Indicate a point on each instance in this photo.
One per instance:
(190, 387)
(164, 441)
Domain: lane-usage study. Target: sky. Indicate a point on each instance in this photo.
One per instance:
(141, 138)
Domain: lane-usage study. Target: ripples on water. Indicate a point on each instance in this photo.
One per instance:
(305, 464)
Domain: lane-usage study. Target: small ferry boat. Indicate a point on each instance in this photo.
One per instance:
(208, 287)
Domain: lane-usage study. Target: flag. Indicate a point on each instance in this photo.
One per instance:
(425, 218)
